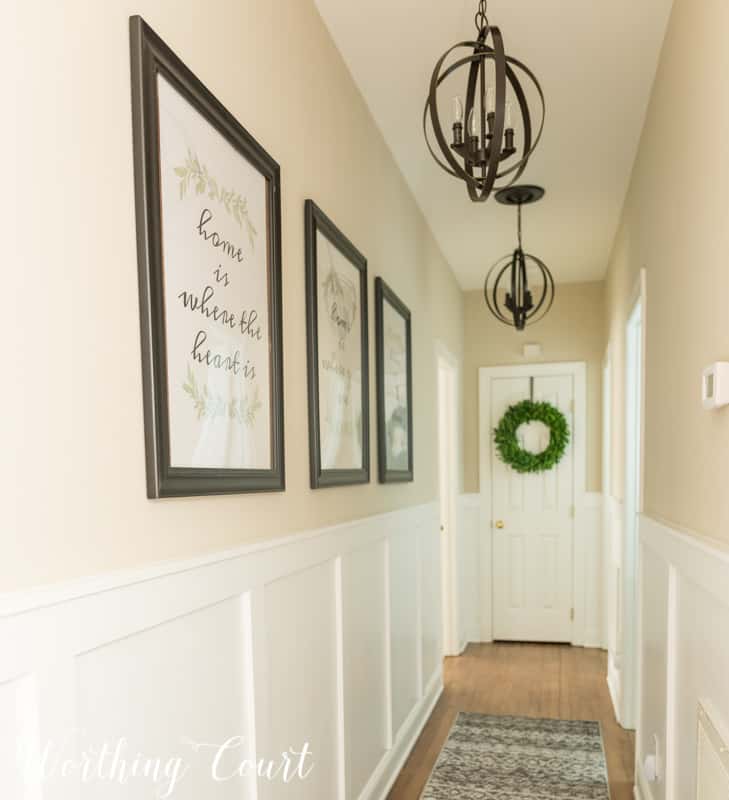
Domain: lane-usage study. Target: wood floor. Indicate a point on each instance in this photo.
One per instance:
(528, 680)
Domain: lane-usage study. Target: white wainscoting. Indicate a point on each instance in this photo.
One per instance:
(469, 571)
(612, 549)
(589, 630)
(330, 638)
(684, 652)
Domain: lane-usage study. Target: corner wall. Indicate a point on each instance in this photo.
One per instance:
(72, 409)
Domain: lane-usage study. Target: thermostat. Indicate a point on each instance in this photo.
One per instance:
(715, 385)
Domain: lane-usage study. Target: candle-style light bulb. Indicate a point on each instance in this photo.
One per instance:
(490, 100)
(508, 131)
(473, 127)
(457, 110)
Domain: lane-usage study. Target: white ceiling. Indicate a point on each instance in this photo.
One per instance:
(596, 62)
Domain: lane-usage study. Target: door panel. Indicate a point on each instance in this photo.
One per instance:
(532, 553)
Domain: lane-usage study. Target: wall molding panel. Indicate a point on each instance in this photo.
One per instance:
(612, 555)
(328, 638)
(684, 651)
(469, 571)
(589, 628)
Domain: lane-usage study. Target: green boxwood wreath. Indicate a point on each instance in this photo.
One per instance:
(507, 444)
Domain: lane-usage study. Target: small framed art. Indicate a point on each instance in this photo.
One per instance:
(337, 344)
(394, 386)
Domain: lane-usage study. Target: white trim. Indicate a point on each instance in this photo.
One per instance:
(20, 602)
(469, 583)
(45, 642)
(701, 560)
(673, 655)
(613, 682)
(449, 554)
(471, 500)
(630, 566)
(641, 789)
(607, 463)
(578, 370)
(388, 650)
(639, 298)
(387, 771)
(341, 723)
(695, 573)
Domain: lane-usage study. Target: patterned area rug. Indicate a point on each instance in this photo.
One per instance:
(515, 758)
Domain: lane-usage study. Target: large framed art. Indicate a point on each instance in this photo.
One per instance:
(337, 345)
(209, 255)
(394, 386)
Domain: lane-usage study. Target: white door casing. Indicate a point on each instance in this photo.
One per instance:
(447, 384)
(532, 578)
(628, 713)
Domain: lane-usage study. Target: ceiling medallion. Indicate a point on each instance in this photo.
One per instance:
(478, 153)
(506, 287)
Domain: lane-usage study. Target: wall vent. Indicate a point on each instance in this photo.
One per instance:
(712, 765)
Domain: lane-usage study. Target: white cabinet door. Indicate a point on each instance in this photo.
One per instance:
(532, 524)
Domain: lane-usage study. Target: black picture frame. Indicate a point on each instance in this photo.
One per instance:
(384, 294)
(151, 57)
(315, 220)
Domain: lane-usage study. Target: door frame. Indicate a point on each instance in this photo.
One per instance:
(608, 545)
(634, 463)
(578, 371)
(450, 644)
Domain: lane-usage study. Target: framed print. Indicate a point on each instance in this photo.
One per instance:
(394, 386)
(209, 255)
(336, 318)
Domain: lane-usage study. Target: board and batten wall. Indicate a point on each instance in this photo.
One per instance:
(74, 500)
(674, 225)
(328, 641)
(572, 331)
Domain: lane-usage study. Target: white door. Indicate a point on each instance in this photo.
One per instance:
(532, 523)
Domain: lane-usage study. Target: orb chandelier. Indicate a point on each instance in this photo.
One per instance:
(483, 151)
(508, 294)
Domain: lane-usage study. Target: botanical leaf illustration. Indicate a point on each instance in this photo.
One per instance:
(209, 405)
(196, 174)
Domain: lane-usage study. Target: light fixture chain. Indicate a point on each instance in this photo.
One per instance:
(519, 225)
(481, 20)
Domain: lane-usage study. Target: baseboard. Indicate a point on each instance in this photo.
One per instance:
(613, 682)
(392, 762)
(641, 790)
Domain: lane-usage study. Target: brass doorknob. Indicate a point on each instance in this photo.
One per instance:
(499, 524)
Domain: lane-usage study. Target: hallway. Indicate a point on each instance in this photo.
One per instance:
(523, 680)
(343, 336)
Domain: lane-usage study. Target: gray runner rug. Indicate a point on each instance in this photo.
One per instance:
(516, 758)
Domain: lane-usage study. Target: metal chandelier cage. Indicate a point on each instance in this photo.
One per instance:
(513, 302)
(479, 154)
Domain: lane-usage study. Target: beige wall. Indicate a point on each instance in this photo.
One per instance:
(72, 406)
(675, 224)
(572, 331)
